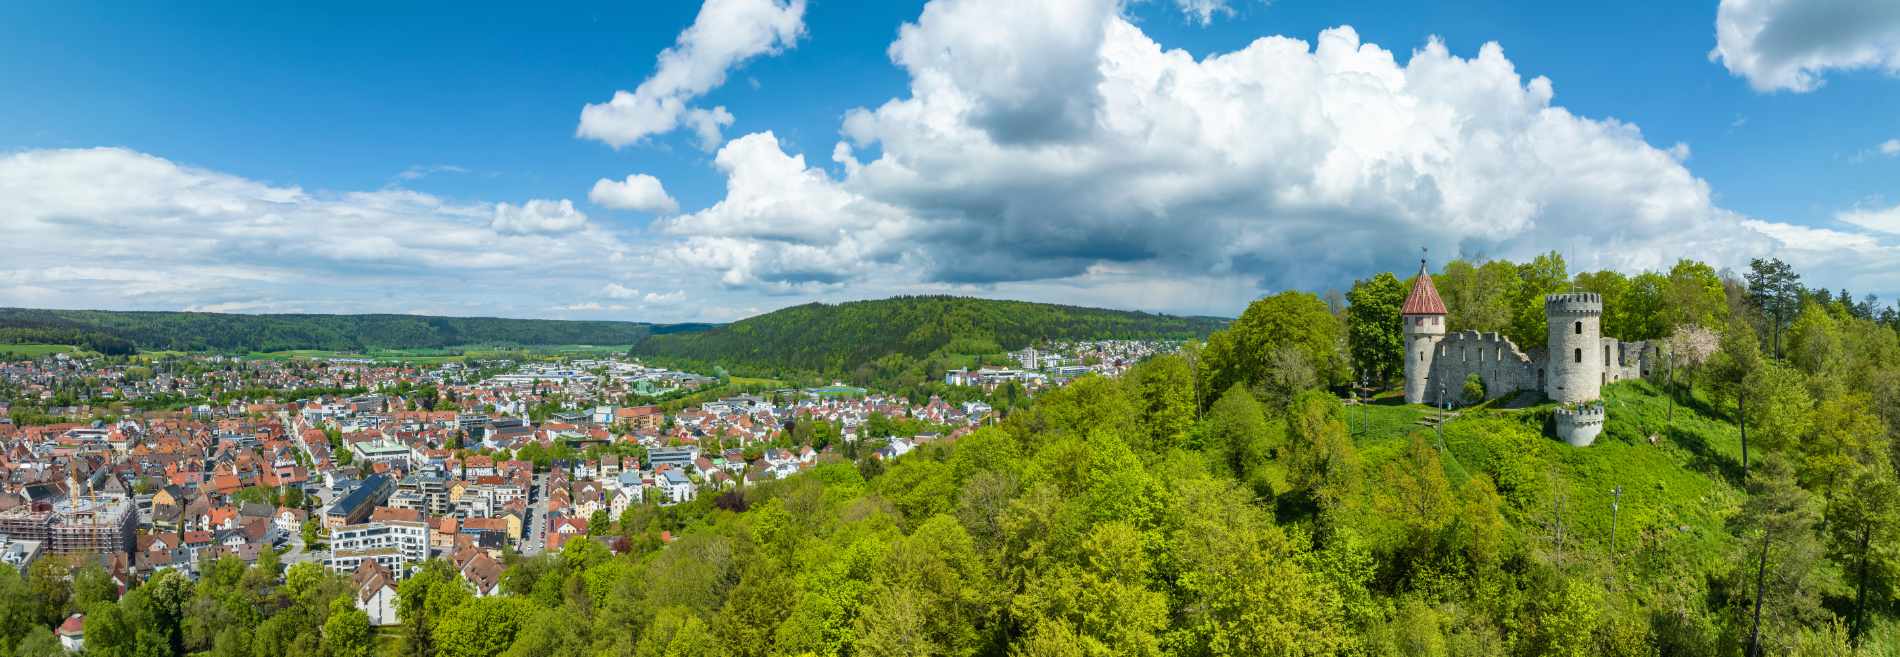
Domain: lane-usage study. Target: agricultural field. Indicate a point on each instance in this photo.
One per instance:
(35, 350)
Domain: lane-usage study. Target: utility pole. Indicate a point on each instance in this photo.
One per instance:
(1616, 506)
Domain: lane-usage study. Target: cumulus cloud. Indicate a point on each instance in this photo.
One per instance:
(116, 228)
(724, 35)
(1021, 71)
(1792, 45)
(537, 216)
(1285, 163)
(1890, 147)
(639, 192)
(783, 222)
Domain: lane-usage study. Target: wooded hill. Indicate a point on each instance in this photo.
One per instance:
(839, 339)
(117, 332)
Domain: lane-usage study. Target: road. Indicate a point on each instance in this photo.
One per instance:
(534, 529)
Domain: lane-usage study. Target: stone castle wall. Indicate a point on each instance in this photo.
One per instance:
(1504, 368)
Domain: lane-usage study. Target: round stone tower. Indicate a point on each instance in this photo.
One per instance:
(1574, 367)
(1424, 318)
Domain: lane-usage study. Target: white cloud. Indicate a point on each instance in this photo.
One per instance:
(1285, 163)
(618, 291)
(537, 216)
(723, 36)
(665, 297)
(419, 172)
(1890, 147)
(1884, 220)
(1203, 11)
(115, 228)
(639, 192)
(782, 222)
(1793, 44)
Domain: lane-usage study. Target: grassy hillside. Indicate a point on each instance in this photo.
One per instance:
(1677, 493)
(839, 338)
(121, 331)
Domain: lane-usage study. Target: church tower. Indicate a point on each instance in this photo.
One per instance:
(1424, 318)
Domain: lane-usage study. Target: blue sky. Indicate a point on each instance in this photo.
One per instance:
(265, 159)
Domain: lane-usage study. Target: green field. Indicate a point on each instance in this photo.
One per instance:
(35, 350)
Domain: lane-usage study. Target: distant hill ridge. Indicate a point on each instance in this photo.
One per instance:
(813, 337)
(114, 331)
(835, 338)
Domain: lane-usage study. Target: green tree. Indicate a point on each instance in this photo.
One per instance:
(1474, 391)
(1815, 344)
(38, 641)
(346, 633)
(1321, 458)
(1235, 433)
(1774, 289)
(1164, 387)
(1295, 321)
(1779, 408)
(1778, 547)
(482, 627)
(1478, 297)
(677, 632)
(92, 584)
(1545, 274)
(1738, 360)
(1861, 532)
(18, 609)
(1619, 315)
(423, 600)
(46, 580)
(1693, 296)
(1241, 588)
(1374, 331)
(1414, 491)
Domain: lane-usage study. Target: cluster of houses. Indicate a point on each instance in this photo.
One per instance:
(370, 478)
(1060, 363)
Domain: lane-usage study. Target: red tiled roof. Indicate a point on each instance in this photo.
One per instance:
(1424, 297)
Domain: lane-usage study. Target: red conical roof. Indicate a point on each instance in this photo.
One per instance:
(1424, 297)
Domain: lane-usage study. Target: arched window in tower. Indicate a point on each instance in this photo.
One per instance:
(1579, 354)
(1579, 328)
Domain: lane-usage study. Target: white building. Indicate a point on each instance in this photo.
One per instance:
(677, 487)
(396, 545)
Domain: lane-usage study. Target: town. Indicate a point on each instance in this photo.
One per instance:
(371, 468)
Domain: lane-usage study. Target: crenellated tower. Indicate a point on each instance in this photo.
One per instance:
(1424, 318)
(1574, 367)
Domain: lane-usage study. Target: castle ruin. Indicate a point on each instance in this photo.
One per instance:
(1571, 369)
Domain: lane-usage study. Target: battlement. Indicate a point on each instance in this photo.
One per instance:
(1580, 426)
(1575, 303)
(1492, 346)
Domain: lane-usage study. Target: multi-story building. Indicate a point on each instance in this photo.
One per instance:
(89, 524)
(357, 505)
(425, 493)
(396, 545)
